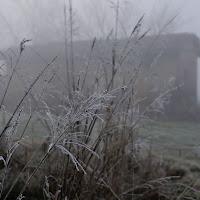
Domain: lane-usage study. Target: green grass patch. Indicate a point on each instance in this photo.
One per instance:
(176, 142)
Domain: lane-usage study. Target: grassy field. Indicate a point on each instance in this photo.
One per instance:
(173, 140)
(177, 143)
(176, 134)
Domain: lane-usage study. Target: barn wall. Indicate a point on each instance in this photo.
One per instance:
(172, 68)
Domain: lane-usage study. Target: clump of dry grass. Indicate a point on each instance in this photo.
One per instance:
(93, 149)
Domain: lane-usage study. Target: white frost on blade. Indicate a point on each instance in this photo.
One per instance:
(21, 197)
(50, 147)
(1, 158)
(11, 151)
(74, 160)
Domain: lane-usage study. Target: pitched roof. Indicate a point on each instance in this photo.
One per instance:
(148, 47)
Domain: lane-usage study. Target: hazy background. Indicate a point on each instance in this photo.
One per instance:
(43, 20)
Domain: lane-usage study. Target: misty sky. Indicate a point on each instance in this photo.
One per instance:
(43, 20)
